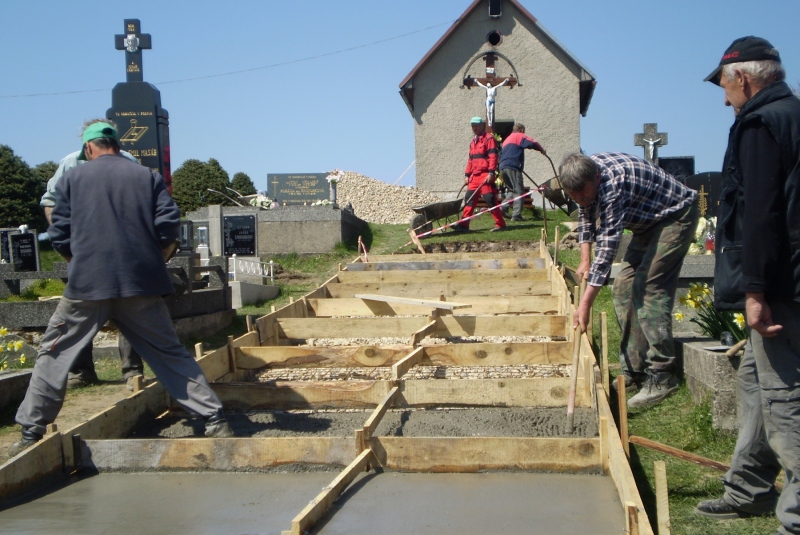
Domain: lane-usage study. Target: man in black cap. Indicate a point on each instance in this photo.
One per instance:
(758, 270)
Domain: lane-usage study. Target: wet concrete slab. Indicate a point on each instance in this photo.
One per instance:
(168, 503)
(465, 504)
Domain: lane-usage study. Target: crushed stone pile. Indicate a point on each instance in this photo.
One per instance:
(378, 202)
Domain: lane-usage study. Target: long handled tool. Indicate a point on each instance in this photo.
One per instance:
(573, 381)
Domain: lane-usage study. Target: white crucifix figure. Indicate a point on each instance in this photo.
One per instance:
(491, 93)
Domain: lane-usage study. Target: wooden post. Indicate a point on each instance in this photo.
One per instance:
(632, 518)
(573, 381)
(51, 428)
(198, 350)
(232, 355)
(662, 498)
(138, 383)
(604, 444)
(272, 308)
(604, 351)
(544, 216)
(576, 296)
(249, 321)
(622, 402)
(555, 249)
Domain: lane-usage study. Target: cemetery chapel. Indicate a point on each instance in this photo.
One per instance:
(547, 90)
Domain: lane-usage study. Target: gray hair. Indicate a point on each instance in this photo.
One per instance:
(519, 127)
(762, 72)
(86, 124)
(105, 143)
(577, 170)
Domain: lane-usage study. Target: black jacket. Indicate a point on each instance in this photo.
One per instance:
(758, 229)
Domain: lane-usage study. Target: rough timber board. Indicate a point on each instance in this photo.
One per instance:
(352, 306)
(433, 290)
(284, 395)
(473, 504)
(220, 454)
(41, 462)
(446, 326)
(497, 276)
(436, 257)
(501, 263)
(168, 504)
(476, 454)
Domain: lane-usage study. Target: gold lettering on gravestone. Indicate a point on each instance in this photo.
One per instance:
(702, 203)
(134, 133)
(131, 28)
(133, 67)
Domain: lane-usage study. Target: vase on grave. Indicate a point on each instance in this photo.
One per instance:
(333, 192)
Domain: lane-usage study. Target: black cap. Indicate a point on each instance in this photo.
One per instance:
(748, 48)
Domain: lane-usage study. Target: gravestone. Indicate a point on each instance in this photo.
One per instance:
(186, 236)
(24, 251)
(5, 250)
(681, 167)
(651, 139)
(709, 187)
(142, 123)
(297, 188)
(239, 235)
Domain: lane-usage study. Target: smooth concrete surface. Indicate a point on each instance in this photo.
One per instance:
(169, 503)
(462, 504)
(245, 293)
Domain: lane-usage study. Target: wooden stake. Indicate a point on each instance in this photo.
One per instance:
(249, 321)
(576, 296)
(632, 518)
(680, 454)
(138, 383)
(51, 428)
(573, 381)
(604, 444)
(272, 308)
(662, 498)
(604, 351)
(544, 216)
(622, 402)
(555, 252)
(198, 350)
(232, 355)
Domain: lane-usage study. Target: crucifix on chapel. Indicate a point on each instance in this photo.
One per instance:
(651, 139)
(490, 83)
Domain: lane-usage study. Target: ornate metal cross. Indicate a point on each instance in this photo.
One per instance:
(651, 140)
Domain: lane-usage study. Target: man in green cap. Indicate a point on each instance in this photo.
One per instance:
(480, 175)
(112, 221)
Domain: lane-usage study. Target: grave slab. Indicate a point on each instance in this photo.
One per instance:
(711, 375)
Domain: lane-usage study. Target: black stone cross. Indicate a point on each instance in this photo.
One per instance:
(133, 42)
(651, 140)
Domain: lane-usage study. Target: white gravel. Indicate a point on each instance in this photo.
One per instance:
(378, 202)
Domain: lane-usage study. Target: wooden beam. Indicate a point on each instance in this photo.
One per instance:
(253, 358)
(351, 306)
(488, 354)
(435, 257)
(474, 454)
(632, 518)
(444, 305)
(319, 505)
(533, 325)
(222, 454)
(662, 497)
(680, 454)
(496, 276)
(288, 395)
(432, 290)
(623, 414)
(604, 442)
(450, 264)
(400, 369)
(421, 333)
(40, 463)
(375, 418)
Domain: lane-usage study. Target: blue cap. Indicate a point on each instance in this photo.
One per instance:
(476, 120)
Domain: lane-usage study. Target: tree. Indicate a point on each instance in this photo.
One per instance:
(192, 180)
(45, 171)
(20, 191)
(242, 183)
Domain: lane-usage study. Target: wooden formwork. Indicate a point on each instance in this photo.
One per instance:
(431, 296)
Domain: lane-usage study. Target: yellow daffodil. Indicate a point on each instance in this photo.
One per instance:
(18, 345)
(3, 331)
(691, 303)
(739, 319)
(10, 346)
(22, 359)
(4, 366)
(679, 316)
(682, 300)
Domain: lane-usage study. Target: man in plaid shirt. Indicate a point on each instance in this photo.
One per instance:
(616, 192)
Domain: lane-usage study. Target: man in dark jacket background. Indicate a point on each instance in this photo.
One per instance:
(112, 220)
(758, 270)
(512, 164)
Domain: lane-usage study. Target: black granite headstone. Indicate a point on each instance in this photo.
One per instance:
(298, 188)
(681, 167)
(709, 187)
(186, 236)
(24, 251)
(5, 249)
(142, 123)
(239, 235)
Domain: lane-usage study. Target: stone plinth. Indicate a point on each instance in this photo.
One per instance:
(711, 375)
(246, 293)
(13, 386)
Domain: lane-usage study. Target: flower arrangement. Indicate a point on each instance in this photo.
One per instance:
(12, 350)
(261, 201)
(712, 322)
(321, 202)
(335, 176)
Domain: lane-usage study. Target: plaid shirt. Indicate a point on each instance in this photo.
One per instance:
(634, 195)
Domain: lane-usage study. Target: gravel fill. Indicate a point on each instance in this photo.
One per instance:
(384, 373)
(378, 202)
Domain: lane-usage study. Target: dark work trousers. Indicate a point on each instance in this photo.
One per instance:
(84, 364)
(513, 179)
(769, 423)
(644, 292)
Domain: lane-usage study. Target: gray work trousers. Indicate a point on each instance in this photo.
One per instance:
(513, 180)
(145, 322)
(769, 423)
(83, 367)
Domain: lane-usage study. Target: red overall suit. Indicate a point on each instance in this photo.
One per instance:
(482, 159)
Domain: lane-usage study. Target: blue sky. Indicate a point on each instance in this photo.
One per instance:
(343, 109)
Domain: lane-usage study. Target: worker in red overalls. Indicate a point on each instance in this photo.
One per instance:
(480, 175)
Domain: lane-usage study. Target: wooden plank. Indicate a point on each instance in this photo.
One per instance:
(623, 415)
(222, 454)
(604, 443)
(319, 505)
(474, 454)
(662, 498)
(421, 333)
(375, 418)
(350, 306)
(444, 305)
(400, 369)
(377, 327)
(533, 325)
(37, 465)
(680, 454)
(425, 265)
(479, 354)
(436, 257)
(496, 276)
(632, 518)
(253, 358)
(433, 290)
(288, 395)
(215, 364)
